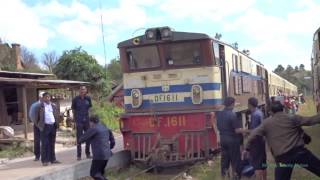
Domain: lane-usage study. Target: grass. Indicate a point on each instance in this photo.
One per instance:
(14, 150)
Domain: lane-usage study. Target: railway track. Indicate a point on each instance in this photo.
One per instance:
(168, 174)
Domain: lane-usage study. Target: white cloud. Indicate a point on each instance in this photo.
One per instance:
(80, 24)
(79, 31)
(213, 10)
(278, 37)
(18, 23)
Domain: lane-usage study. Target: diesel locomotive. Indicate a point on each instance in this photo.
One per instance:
(174, 84)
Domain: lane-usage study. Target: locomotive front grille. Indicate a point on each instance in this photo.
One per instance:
(185, 146)
(143, 147)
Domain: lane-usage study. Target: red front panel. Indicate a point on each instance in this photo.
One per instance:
(192, 132)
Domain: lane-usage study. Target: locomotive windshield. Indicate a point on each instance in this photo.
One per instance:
(143, 57)
(181, 54)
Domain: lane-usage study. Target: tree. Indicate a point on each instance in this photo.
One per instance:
(114, 70)
(301, 67)
(29, 60)
(50, 59)
(289, 69)
(279, 69)
(78, 65)
(296, 69)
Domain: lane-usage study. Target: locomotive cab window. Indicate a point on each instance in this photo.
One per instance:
(143, 57)
(181, 54)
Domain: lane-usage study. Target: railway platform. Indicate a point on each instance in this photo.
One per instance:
(70, 168)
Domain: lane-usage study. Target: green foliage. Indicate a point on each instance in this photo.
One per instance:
(14, 150)
(108, 113)
(296, 76)
(7, 66)
(114, 70)
(78, 65)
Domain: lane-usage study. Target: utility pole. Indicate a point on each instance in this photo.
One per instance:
(102, 33)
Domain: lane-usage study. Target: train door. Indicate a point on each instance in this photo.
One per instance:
(220, 60)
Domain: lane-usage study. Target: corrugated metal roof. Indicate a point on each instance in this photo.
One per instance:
(16, 74)
(43, 83)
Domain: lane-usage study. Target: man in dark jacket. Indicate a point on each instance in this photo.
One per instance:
(229, 127)
(47, 122)
(102, 141)
(285, 139)
(80, 108)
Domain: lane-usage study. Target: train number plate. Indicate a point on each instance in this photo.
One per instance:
(167, 97)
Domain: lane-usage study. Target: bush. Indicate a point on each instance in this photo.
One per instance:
(109, 114)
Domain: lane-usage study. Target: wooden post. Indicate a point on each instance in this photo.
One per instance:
(25, 111)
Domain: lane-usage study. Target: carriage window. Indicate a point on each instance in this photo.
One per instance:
(143, 57)
(235, 63)
(180, 54)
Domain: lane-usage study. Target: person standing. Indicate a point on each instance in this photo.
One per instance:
(80, 108)
(102, 141)
(229, 127)
(258, 157)
(286, 141)
(47, 122)
(34, 109)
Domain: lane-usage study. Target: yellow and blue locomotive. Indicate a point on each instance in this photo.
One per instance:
(174, 83)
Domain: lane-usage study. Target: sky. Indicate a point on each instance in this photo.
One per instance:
(275, 31)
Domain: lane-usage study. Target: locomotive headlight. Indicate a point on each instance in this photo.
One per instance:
(196, 94)
(166, 32)
(150, 34)
(136, 98)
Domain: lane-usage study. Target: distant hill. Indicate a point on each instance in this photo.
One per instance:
(296, 75)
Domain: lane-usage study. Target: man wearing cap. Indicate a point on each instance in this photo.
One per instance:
(34, 109)
(286, 141)
(80, 108)
(102, 141)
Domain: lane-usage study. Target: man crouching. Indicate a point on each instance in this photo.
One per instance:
(102, 141)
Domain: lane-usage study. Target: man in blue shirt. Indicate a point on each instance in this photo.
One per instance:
(102, 141)
(34, 109)
(80, 108)
(229, 127)
(258, 155)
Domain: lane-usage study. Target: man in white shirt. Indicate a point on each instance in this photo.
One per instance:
(47, 122)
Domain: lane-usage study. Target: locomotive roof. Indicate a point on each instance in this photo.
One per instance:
(179, 36)
(176, 36)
